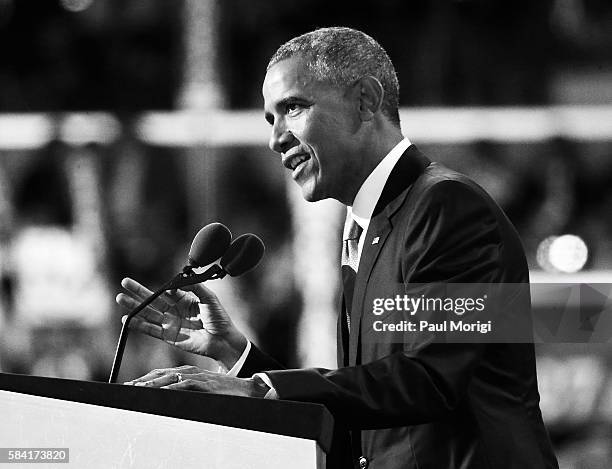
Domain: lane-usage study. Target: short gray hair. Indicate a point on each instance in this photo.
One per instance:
(341, 56)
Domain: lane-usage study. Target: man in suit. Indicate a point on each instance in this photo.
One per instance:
(331, 99)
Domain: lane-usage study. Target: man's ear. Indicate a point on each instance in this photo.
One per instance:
(371, 95)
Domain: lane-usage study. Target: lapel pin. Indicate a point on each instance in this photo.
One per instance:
(376, 240)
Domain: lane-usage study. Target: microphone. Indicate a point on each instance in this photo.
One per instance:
(208, 245)
(243, 255)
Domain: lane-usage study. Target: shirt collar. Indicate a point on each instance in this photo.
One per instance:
(371, 189)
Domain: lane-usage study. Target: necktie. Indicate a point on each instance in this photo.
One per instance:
(350, 262)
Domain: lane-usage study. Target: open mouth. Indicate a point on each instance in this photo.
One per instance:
(297, 161)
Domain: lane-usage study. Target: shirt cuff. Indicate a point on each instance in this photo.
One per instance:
(240, 363)
(271, 394)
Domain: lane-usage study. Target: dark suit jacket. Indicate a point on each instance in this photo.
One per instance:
(421, 404)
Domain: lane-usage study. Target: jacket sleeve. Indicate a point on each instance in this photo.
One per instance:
(451, 235)
(258, 362)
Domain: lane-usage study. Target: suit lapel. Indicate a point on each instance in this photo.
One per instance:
(381, 229)
(408, 168)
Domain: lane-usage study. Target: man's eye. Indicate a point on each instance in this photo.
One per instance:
(293, 107)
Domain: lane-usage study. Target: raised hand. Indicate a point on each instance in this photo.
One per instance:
(192, 319)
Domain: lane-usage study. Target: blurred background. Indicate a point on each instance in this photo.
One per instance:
(126, 125)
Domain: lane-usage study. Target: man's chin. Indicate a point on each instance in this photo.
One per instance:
(308, 197)
(312, 196)
(313, 192)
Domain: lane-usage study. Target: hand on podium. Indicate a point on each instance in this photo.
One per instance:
(192, 320)
(195, 379)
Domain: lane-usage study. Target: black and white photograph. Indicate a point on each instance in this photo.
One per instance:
(306, 234)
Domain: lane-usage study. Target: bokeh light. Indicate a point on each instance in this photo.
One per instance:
(567, 253)
(76, 5)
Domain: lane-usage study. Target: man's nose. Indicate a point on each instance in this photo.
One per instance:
(280, 139)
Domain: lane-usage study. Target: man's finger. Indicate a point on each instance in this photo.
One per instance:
(170, 333)
(135, 287)
(140, 292)
(155, 316)
(146, 327)
(129, 303)
(165, 376)
(152, 316)
(188, 384)
(212, 383)
(202, 292)
(174, 296)
(158, 382)
(201, 380)
(150, 375)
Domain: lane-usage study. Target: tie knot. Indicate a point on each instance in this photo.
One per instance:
(352, 230)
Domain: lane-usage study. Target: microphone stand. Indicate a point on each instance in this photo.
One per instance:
(182, 279)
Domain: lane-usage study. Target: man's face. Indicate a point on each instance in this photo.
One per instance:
(313, 128)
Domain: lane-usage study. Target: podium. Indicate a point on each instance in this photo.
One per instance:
(116, 426)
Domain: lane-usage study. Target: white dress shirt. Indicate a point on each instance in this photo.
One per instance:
(371, 190)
